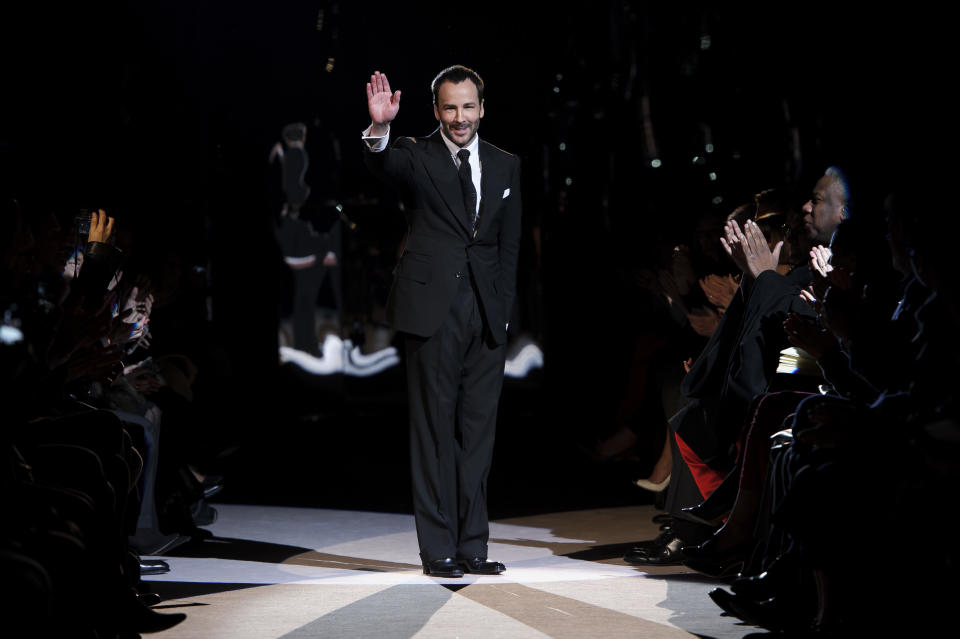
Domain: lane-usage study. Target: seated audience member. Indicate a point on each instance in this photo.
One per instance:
(737, 364)
(891, 406)
(72, 469)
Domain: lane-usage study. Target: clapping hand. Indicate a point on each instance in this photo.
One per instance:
(809, 296)
(749, 248)
(757, 253)
(719, 289)
(145, 377)
(820, 260)
(733, 243)
(820, 269)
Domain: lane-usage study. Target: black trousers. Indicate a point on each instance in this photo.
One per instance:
(454, 379)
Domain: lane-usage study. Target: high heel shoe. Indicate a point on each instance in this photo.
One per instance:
(646, 484)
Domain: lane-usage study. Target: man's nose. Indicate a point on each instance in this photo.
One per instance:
(808, 207)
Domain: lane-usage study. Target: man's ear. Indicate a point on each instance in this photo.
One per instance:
(481, 108)
(436, 112)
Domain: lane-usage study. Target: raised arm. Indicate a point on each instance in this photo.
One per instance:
(381, 103)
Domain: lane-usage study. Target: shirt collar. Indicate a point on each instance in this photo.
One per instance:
(453, 148)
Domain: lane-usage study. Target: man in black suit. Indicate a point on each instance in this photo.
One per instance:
(451, 296)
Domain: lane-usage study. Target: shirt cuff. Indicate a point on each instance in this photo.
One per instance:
(375, 143)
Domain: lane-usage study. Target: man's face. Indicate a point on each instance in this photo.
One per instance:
(824, 210)
(459, 110)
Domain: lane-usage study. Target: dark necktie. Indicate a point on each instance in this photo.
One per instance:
(466, 185)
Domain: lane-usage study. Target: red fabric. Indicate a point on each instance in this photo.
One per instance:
(707, 478)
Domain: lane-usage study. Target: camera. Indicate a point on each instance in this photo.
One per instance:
(82, 223)
(81, 226)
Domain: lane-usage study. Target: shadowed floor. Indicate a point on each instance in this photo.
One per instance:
(274, 571)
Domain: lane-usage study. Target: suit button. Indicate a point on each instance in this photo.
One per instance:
(459, 275)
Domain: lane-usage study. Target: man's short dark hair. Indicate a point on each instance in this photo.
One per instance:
(456, 74)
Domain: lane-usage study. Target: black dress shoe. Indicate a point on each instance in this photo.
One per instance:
(707, 559)
(148, 598)
(666, 553)
(769, 614)
(707, 513)
(479, 566)
(445, 567)
(782, 576)
(725, 600)
(643, 547)
(755, 613)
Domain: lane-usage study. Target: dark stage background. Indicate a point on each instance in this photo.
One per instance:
(163, 114)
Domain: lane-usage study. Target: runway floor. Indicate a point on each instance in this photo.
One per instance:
(277, 571)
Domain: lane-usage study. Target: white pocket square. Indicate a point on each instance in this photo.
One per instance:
(506, 192)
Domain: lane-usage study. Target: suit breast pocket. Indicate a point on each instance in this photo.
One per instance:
(415, 267)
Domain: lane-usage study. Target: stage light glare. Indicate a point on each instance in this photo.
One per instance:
(10, 335)
(656, 163)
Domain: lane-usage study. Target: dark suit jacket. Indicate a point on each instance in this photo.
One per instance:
(737, 364)
(440, 240)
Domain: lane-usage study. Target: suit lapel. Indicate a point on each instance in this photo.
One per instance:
(490, 179)
(443, 174)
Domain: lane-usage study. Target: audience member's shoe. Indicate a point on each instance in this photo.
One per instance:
(480, 566)
(708, 513)
(150, 541)
(724, 599)
(668, 552)
(767, 614)
(756, 587)
(153, 567)
(211, 484)
(642, 547)
(715, 508)
(445, 567)
(707, 559)
(149, 598)
(646, 484)
(202, 513)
